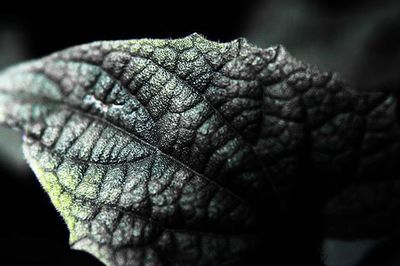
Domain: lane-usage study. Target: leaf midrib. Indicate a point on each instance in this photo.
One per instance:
(58, 103)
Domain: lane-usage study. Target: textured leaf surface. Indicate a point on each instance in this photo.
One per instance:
(170, 152)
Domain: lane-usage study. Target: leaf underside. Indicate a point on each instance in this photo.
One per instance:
(169, 152)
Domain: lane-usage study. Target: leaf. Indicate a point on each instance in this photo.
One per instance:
(175, 152)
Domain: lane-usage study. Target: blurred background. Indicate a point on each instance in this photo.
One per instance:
(358, 39)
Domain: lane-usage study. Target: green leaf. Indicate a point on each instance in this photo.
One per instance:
(175, 152)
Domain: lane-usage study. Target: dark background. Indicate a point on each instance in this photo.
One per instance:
(31, 231)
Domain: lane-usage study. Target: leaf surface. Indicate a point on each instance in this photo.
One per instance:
(170, 152)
